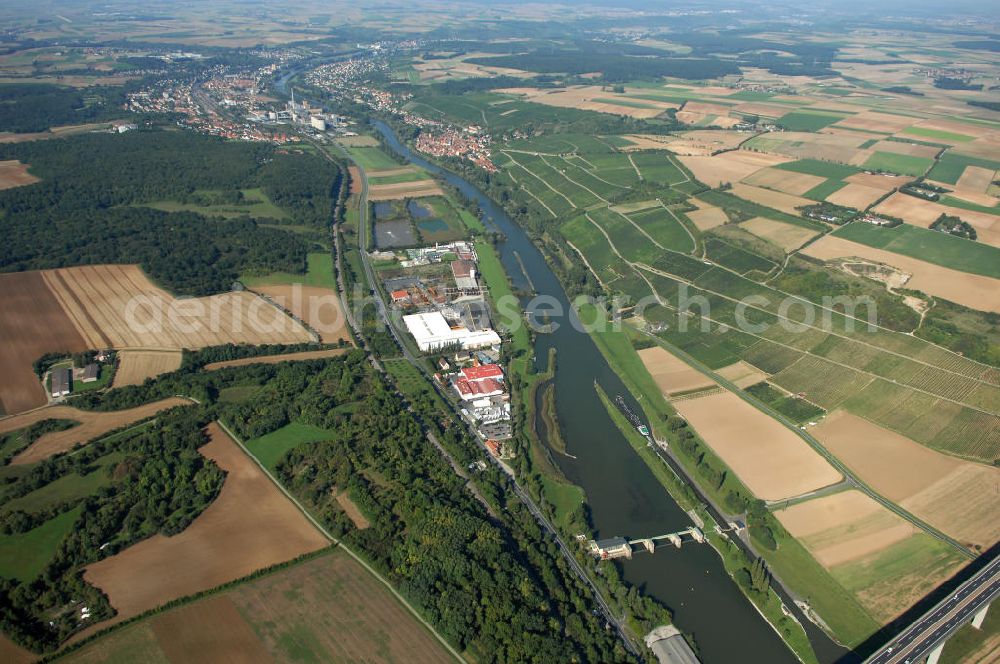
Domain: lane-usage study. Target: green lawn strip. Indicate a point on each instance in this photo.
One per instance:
(931, 246)
(68, 487)
(805, 120)
(823, 169)
(25, 555)
(796, 567)
(270, 448)
(256, 204)
(966, 205)
(373, 159)
(824, 189)
(496, 281)
(938, 133)
(319, 273)
(898, 163)
(414, 176)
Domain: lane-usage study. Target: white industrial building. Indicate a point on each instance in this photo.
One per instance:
(432, 331)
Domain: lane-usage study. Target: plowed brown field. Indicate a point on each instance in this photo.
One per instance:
(32, 323)
(15, 174)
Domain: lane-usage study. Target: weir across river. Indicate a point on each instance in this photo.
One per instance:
(620, 547)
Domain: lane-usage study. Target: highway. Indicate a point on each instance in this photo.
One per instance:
(920, 638)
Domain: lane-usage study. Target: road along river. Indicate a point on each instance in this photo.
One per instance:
(624, 496)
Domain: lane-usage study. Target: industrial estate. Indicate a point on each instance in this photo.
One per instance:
(508, 332)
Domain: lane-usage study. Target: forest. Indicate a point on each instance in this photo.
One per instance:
(486, 577)
(613, 67)
(30, 107)
(84, 212)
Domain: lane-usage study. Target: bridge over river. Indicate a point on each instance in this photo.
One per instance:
(620, 547)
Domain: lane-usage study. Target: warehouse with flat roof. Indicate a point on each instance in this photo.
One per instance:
(432, 331)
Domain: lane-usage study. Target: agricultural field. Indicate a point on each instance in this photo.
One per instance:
(270, 448)
(136, 366)
(254, 203)
(971, 290)
(672, 375)
(730, 167)
(921, 244)
(15, 174)
(786, 236)
(594, 98)
(945, 491)
(886, 562)
(326, 609)
(117, 306)
(227, 541)
(923, 213)
(771, 460)
(92, 424)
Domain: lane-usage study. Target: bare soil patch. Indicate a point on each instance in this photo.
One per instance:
(786, 181)
(319, 307)
(355, 174)
(773, 199)
(275, 359)
(730, 166)
(250, 525)
(876, 122)
(208, 631)
(971, 290)
(15, 174)
(635, 207)
(976, 178)
(593, 98)
(32, 323)
(359, 520)
(857, 196)
(770, 459)
(135, 366)
(671, 374)
(844, 526)
(953, 495)
(706, 216)
(787, 236)
(92, 424)
(388, 192)
(742, 374)
(881, 181)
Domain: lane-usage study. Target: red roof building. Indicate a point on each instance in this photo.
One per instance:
(400, 296)
(477, 389)
(494, 447)
(483, 371)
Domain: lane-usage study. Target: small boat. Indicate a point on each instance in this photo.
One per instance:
(643, 429)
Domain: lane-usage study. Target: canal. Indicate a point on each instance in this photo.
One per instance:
(624, 496)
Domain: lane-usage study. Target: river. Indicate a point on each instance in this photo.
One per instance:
(624, 496)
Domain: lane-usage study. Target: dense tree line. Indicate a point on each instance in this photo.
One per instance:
(29, 107)
(612, 67)
(87, 208)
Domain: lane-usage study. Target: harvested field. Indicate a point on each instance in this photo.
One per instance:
(92, 424)
(971, 290)
(844, 526)
(275, 359)
(671, 374)
(707, 120)
(730, 166)
(786, 181)
(117, 306)
(976, 178)
(787, 236)
(135, 366)
(826, 146)
(32, 323)
(693, 143)
(923, 213)
(881, 181)
(227, 541)
(772, 199)
(857, 196)
(11, 653)
(706, 108)
(770, 459)
(355, 174)
(742, 374)
(876, 122)
(328, 609)
(15, 174)
(706, 216)
(956, 496)
(319, 307)
(593, 98)
(392, 172)
(626, 208)
(648, 142)
(399, 190)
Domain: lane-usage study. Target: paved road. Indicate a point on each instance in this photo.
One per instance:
(939, 623)
(518, 490)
